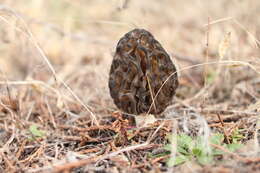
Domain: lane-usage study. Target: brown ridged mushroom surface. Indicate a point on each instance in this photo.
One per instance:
(139, 68)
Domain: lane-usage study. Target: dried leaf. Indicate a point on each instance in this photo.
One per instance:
(144, 120)
(224, 45)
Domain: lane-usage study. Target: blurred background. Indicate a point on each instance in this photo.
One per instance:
(79, 39)
(215, 45)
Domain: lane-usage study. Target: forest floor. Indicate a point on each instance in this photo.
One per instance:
(56, 113)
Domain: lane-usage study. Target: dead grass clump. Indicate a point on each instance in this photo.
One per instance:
(56, 114)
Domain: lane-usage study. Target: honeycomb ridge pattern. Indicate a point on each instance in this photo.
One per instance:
(139, 68)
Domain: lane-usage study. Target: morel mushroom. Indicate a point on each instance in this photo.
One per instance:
(138, 73)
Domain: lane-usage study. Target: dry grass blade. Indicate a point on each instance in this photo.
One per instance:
(256, 41)
(30, 36)
(224, 46)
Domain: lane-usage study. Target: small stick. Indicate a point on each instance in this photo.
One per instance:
(207, 55)
(69, 166)
(8, 162)
(152, 94)
(223, 126)
(228, 112)
(92, 128)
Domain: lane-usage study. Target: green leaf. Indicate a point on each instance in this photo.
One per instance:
(217, 152)
(205, 159)
(168, 147)
(36, 132)
(149, 155)
(196, 151)
(177, 161)
(171, 162)
(183, 150)
(200, 143)
(233, 147)
(236, 135)
(217, 138)
(211, 77)
(170, 137)
(197, 148)
(184, 141)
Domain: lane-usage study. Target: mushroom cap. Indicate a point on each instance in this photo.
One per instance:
(142, 78)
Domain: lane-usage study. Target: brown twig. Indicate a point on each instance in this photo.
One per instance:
(228, 112)
(8, 162)
(86, 139)
(21, 149)
(36, 154)
(219, 124)
(223, 127)
(69, 166)
(89, 150)
(92, 128)
(207, 54)
(227, 115)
